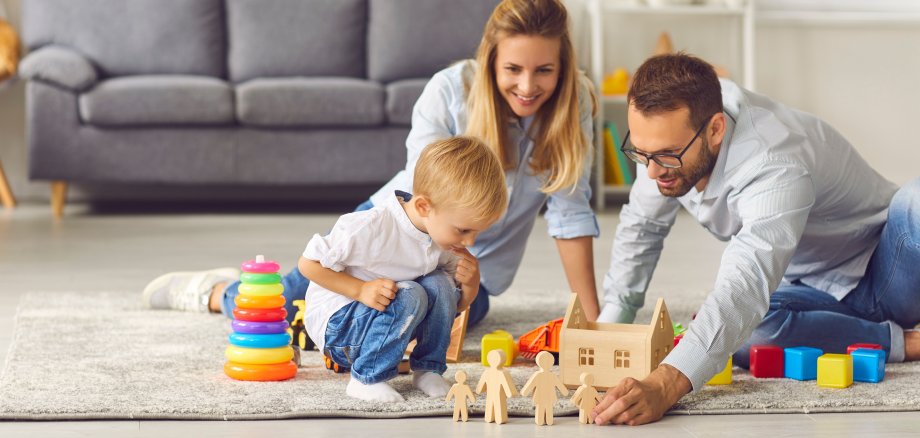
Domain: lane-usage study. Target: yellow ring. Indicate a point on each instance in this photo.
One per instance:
(261, 290)
(257, 302)
(259, 356)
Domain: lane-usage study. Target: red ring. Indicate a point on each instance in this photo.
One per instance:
(260, 315)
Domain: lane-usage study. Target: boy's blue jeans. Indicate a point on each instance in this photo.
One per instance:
(884, 303)
(372, 343)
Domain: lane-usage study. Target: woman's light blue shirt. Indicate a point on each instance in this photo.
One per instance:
(441, 112)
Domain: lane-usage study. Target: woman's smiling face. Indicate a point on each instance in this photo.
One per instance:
(527, 71)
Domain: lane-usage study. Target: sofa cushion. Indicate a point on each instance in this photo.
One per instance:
(158, 100)
(401, 98)
(133, 37)
(416, 38)
(277, 38)
(289, 102)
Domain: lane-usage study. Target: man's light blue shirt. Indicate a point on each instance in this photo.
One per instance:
(796, 203)
(441, 112)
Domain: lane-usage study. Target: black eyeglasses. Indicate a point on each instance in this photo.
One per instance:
(668, 161)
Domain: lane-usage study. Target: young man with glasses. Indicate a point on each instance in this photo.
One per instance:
(823, 251)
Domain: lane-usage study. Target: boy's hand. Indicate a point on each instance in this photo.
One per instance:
(468, 277)
(377, 294)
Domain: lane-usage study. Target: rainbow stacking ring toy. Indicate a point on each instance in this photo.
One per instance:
(260, 346)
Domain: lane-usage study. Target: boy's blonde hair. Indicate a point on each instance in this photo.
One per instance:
(462, 172)
(560, 146)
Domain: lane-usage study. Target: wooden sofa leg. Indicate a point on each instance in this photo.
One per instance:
(58, 198)
(6, 195)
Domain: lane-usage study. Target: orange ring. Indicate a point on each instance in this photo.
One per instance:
(257, 302)
(260, 373)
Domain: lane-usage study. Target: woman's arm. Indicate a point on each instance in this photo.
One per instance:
(578, 262)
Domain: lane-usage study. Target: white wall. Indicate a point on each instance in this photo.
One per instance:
(863, 79)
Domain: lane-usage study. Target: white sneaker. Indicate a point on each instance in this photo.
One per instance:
(188, 291)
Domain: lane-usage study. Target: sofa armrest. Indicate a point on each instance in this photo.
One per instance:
(60, 66)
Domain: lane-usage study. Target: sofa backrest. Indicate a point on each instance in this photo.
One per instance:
(277, 38)
(128, 37)
(383, 40)
(416, 38)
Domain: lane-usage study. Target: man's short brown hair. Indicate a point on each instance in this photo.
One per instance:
(669, 82)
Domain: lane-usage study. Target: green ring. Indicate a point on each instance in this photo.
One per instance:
(253, 278)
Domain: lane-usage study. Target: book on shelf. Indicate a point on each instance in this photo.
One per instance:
(625, 167)
(616, 166)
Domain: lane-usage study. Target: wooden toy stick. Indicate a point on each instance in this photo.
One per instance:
(543, 384)
(498, 386)
(461, 393)
(586, 398)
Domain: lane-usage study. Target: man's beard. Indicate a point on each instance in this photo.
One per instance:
(689, 176)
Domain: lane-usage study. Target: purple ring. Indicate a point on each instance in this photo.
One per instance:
(259, 328)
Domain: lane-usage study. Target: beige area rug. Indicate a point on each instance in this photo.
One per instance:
(100, 356)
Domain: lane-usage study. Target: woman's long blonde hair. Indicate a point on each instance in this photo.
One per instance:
(560, 146)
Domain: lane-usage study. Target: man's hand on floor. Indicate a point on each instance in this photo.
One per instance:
(634, 402)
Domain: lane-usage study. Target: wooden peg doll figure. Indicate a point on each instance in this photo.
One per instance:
(544, 384)
(586, 398)
(498, 386)
(460, 392)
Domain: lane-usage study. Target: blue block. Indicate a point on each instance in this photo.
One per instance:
(802, 362)
(868, 365)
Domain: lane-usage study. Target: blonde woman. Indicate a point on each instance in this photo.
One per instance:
(524, 97)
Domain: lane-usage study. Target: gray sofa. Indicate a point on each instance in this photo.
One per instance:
(232, 93)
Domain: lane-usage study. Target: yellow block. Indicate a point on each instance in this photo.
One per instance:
(261, 290)
(499, 340)
(835, 370)
(724, 377)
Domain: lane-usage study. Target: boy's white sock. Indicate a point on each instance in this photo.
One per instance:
(431, 383)
(378, 392)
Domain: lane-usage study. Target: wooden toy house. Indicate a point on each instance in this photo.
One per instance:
(612, 352)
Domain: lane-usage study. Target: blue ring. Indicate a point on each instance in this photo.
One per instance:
(260, 341)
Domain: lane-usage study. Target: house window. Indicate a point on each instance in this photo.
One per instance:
(661, 322)
(657, 354)
(586, 356)
(621, 359)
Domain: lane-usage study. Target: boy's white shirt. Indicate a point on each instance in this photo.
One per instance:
(378, 243)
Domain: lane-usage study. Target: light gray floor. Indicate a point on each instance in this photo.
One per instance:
(87, 252)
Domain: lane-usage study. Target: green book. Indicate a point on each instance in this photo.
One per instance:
(625, 169)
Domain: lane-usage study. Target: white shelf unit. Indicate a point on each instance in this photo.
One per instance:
(741, 39)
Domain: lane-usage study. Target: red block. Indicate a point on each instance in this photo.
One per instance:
(678, 338)
(766, 361)
(864, 346)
